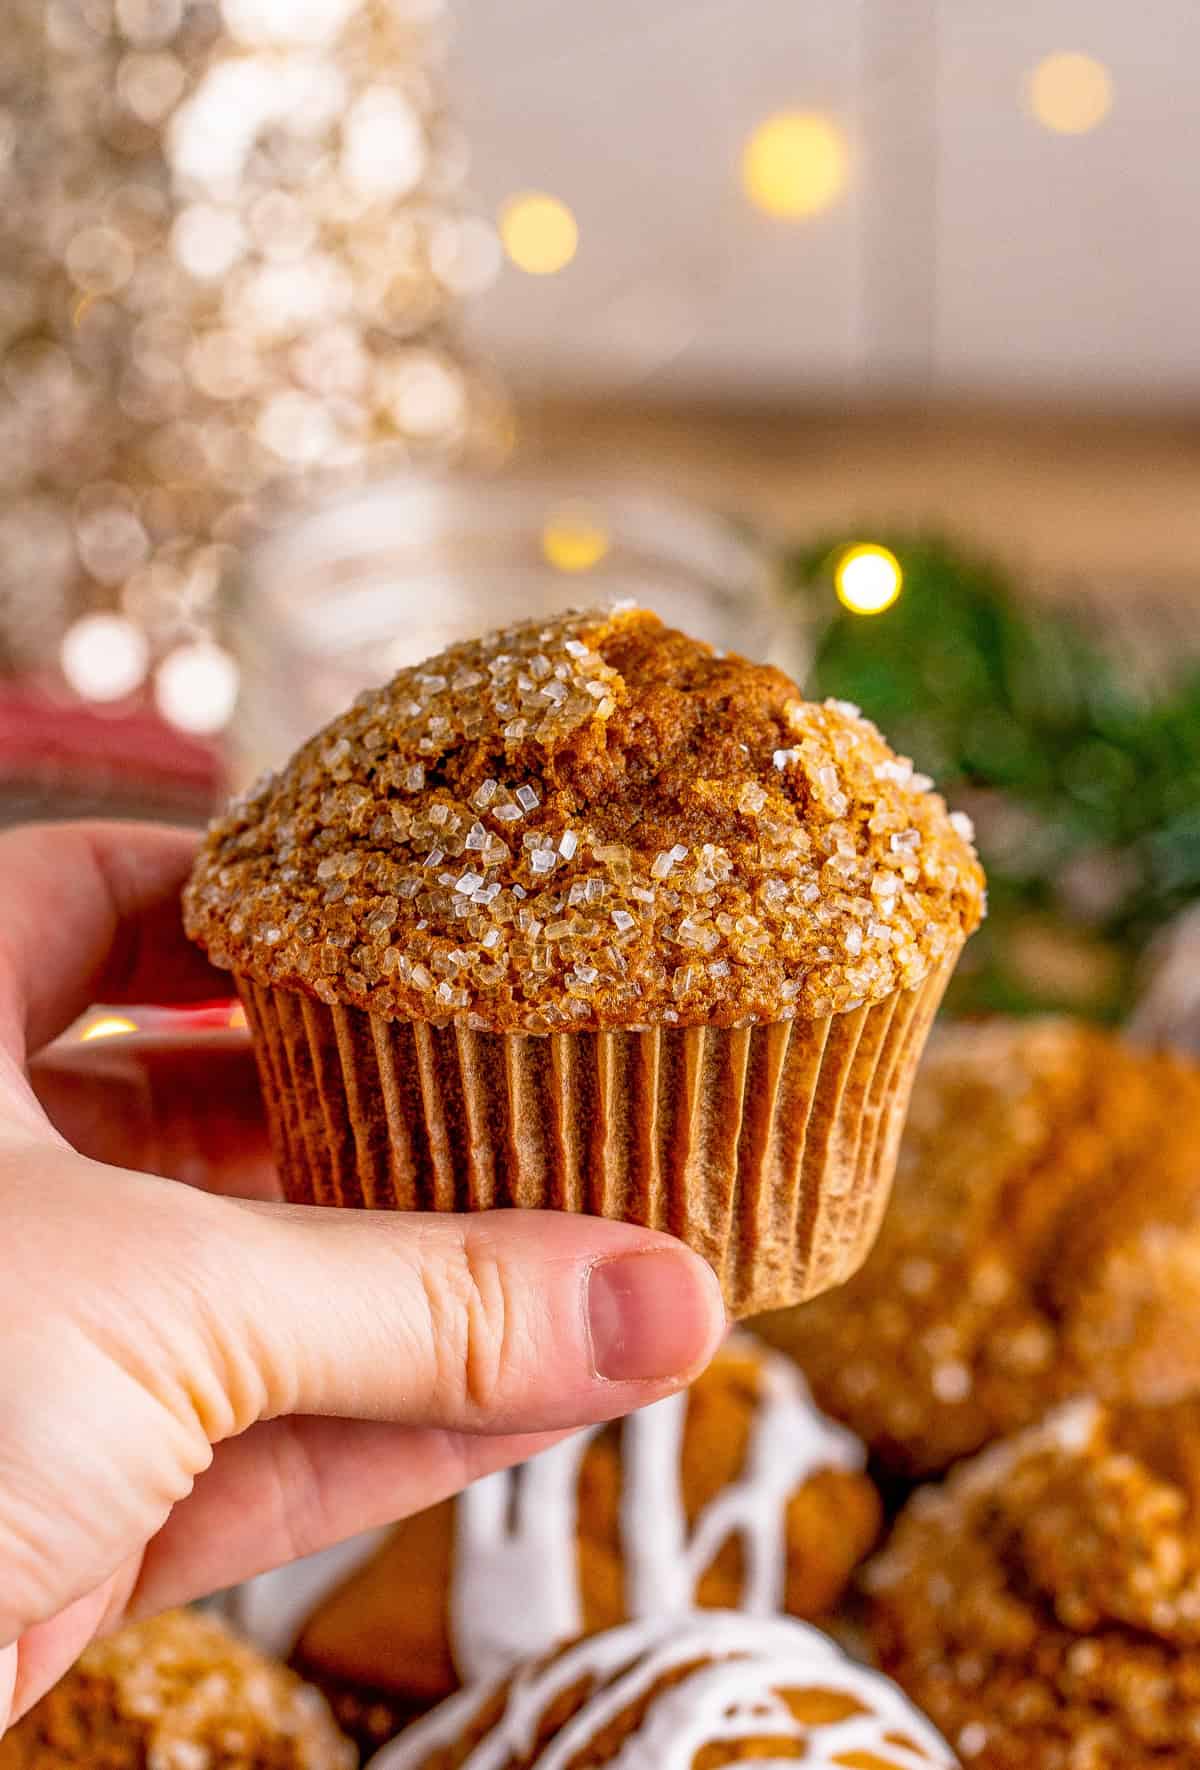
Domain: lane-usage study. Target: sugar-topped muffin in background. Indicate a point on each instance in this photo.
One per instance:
(177, 1693)
(737, 1494)
(679, 1693)
(586, 915)
(1043, 1605)
(1043, 1240)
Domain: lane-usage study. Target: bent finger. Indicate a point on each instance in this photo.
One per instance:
(289, 1488)
(91, 913)
(186, 1108)
(50, 1648)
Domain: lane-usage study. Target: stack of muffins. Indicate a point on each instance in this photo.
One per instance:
(587, 917)
(1021, 1355)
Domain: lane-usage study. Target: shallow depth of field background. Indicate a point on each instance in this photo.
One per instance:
(330, 331)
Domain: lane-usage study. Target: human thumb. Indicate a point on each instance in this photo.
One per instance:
(505, 1321)
(145, 1324)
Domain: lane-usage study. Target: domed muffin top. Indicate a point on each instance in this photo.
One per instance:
(176, 1693)
(587, 823)
(1043, 1603)
(1025, 1256)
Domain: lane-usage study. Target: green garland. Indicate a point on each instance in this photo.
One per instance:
(1086, 795)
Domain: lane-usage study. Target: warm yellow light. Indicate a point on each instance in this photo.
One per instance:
(795, 164)
(109, 1026)
(237, 1018)
(868, 579)
(572, 541)
(1070, 93)
(539, 233)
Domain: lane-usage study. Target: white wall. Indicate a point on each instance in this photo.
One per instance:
(974, 251)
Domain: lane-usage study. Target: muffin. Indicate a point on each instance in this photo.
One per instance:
(735, 1495)
(585, 915)
(1044, 1605)
(1043, 1240)
(683, 1693)
(178, 1693)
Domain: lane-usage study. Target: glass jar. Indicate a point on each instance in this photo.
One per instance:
(341, 598)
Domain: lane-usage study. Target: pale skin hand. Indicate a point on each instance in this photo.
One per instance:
(197, 1382)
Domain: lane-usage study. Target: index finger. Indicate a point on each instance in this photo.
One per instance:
(184, 1106)
(89, 912)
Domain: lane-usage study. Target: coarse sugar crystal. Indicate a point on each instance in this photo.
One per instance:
(694, 801)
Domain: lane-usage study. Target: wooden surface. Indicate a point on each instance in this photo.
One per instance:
(1108, 502)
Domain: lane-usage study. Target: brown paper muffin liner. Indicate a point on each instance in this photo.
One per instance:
(769, 1149)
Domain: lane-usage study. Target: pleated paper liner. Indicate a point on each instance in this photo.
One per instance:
(769, 1149)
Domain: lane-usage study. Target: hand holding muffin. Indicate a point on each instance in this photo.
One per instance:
(582, 916)
(196, 1387)
(585, 915)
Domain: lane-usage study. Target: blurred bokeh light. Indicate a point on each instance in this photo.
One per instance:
(868, 578)
(539, 233)
(1070, 93)
(574, 540)
(795, 164)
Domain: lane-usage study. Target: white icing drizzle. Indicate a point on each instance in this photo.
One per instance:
(657, 1562)
(515, 1591)
(741, 1664)
(515, 1585)
(790, 1442)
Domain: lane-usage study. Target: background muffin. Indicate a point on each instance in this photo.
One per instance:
(178, 1693)
(1044, 1606)
(1043, 1239)
(679, 1693)
(738, 1494)
(732, 911)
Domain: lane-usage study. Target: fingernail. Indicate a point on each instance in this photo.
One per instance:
(652, 1316)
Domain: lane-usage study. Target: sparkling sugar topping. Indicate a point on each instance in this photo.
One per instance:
(177, 1693)
(1044, 1602)
(595, 822)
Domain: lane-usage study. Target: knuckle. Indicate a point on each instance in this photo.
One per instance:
(209, 1360)
(74, 1505)
(474, 1326)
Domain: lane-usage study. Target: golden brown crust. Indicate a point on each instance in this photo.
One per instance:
(369, 1717)
(1043, 1238)
(592, 823)
(178, 1693)
(387, 1628)
(1044, 1606)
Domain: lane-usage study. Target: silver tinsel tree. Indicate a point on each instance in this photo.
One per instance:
(231, 238)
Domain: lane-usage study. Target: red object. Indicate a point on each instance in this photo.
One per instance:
(60, 758)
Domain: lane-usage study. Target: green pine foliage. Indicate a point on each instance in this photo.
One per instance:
(1086, 794)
